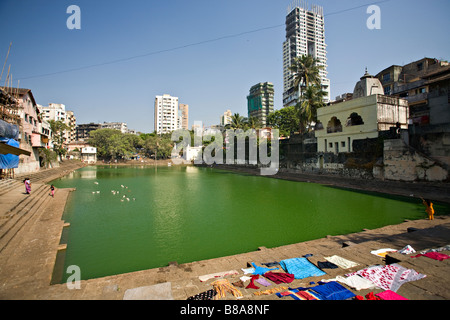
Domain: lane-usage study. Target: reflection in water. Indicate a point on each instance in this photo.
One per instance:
(158, 214)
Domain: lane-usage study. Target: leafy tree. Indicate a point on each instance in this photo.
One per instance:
(58, 129)
(306, 72)
(252, 123)
(307, 81)
(311, 100)
(286, 120)
(237, 121)
(113, 144)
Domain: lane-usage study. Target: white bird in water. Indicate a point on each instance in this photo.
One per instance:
(96, 182)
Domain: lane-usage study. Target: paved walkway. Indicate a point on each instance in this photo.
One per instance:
(29, 249)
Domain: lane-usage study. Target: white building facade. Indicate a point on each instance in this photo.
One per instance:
(305, 35)
(166, 114)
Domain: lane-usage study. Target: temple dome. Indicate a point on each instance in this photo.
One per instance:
(367, 85)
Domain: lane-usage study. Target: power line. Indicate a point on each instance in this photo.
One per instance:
(184, 46)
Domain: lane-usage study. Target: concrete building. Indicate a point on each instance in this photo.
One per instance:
(166, 114)
(260, 101)
(31, 137)
(305, 35)
(225, 118)
(83, 130)
(121, 126)
(184, 116)
(425, 84)
(58, 112)
(89, 155)
(367, 114)
(415, 82)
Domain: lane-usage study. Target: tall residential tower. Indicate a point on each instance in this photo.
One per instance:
(260, 101)
(166, 114)
(305, 34)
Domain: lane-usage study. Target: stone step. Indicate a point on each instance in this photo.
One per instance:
(21, 215)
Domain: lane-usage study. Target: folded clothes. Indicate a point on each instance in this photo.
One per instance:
(279, 277)
(326, 265)
(263, 282)
(332, 291)
(341, 262)
(297, 295)
(390, 295)
(355, 281)
(301, 268)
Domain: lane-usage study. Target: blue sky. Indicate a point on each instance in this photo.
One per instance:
(164, 47)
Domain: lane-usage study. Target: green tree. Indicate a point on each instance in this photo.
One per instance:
(113, 144)
(311, 100)
(158, 146)
(307, 81)
(306, 72)
(286, 120)
(58, 129)
(252, 123)
(237, 121)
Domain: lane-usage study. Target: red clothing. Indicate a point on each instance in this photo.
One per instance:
(434, 255)
(279, 277)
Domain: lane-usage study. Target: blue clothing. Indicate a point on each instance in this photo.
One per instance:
(332, 291)
(301, 268)
(261, 270)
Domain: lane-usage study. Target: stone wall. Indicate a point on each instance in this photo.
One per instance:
(402, 163)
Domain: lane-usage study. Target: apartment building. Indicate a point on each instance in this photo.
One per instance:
(260, 101)
(166, 114)
(305, 35)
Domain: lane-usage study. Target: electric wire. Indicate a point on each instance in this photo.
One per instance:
(184, 46)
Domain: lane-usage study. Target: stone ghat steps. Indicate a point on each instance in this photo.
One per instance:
(16, 218)
(44, 175)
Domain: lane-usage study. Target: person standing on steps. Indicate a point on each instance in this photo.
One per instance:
(52, 190)
(27, 185)
(429, 208)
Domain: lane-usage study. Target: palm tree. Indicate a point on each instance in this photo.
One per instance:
(253, 123)
(306, 72)
(237, 121)
(311, 100)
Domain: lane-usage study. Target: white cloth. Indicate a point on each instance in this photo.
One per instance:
(407, 250)
(354, 281)
(341, 262)
(248, 270)
(217, 275)
(382, 252)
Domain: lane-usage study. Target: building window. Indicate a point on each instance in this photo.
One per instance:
(354, 120)
(334, 125)
(386, 77)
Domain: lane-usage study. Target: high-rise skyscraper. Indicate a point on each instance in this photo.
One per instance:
(184, 113)
(166, 114)
(305, 34)
(260, 101)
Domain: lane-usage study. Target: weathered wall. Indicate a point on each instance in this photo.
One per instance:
(404, 164)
